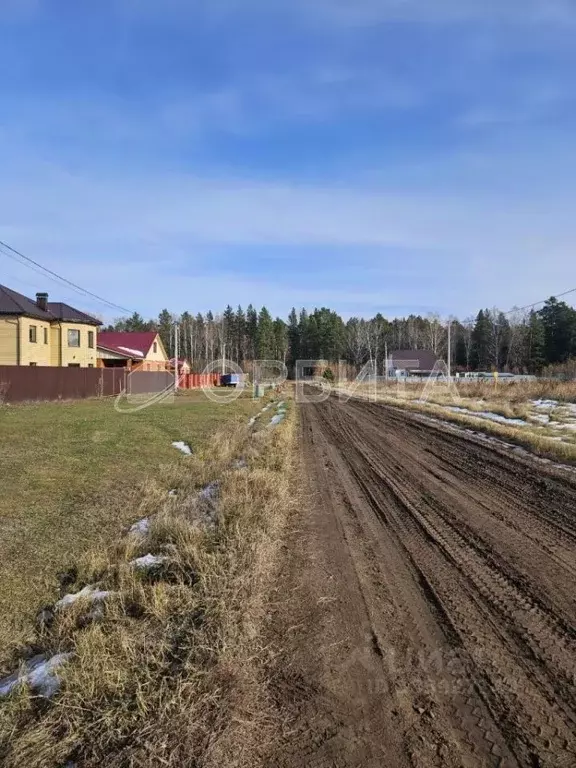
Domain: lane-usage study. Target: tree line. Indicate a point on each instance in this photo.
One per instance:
(520, 341)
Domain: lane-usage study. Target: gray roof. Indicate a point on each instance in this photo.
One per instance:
(416, 359)
(14, 303)
(68, 314)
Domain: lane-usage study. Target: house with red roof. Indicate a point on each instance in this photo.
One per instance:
(134, 350)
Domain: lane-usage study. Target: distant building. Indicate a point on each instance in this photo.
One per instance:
(411, 362)
(183, 365)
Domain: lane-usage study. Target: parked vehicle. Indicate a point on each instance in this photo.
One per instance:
(230, 380)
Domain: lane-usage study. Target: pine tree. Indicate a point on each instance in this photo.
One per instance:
(186, 335)
(164, 328)
(280, 339)
(252, 331)
(303, 333)
(265, 339)
(327, 330)
(210, 337)
(536, 343)
(481, 338)
(240, 335)
(228, 318)
(559, 322)
(135, 323)
(293, 338)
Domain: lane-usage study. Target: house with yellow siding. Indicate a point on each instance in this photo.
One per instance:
(45, 333)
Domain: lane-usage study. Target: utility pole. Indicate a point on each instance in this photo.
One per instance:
(176, 353)
(223, 358)
(386, 361)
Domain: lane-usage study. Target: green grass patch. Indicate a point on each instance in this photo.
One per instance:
(72, 477)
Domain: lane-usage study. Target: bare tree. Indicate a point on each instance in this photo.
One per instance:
(435, 332)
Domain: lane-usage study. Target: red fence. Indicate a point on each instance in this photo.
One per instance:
(197, 380)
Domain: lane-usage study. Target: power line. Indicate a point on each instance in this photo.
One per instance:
(536, 303)
(16, 255)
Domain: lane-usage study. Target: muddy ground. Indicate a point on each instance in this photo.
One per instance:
(426, 610)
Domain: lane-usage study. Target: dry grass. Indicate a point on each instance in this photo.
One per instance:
(509, 400)
(161, 678)
(505, 394)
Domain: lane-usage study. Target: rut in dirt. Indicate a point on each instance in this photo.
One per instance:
(460, 562)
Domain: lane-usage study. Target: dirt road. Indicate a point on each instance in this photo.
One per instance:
(428, 612)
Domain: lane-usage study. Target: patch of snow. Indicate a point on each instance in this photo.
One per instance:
(142, 526)
(39, 673)
(544, 404)
(173, 492)
(277, 419)
(182, 446)
(487, 415)
(252, 421)
(137, 352)
(563, 425)
(148, 561)
(266, 408)
(210, 492)
(281, 404)
(91, 593)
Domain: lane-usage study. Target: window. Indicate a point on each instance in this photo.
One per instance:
(73, 365)
(73, 338)
(33, 363)
(32, 334)
(45, 335)
(91, 339)
(90, 365)
(155, 346)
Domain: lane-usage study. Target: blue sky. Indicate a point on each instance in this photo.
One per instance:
(376, 155)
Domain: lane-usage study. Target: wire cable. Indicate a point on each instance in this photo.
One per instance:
(536, 303)
(16, 255)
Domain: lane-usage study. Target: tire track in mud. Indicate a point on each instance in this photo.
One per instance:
(474, 550)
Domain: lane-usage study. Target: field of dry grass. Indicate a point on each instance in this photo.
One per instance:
(159, 677)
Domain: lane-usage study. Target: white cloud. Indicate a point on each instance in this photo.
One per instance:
(150, 241)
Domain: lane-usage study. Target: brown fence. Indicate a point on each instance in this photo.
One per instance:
(19, 384)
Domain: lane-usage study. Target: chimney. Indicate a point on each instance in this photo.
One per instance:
(42, 301)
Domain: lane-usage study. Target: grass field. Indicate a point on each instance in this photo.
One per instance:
(171, 672)
(73, 475)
